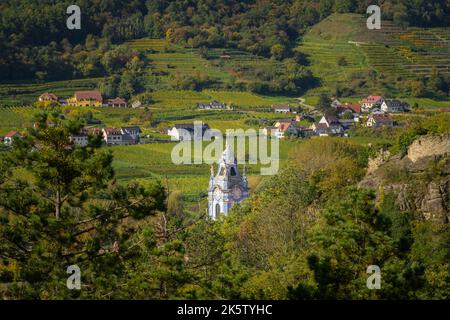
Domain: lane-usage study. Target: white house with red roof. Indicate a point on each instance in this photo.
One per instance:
(370, 102)
(10, 136)
(281, 129)
(285, 128)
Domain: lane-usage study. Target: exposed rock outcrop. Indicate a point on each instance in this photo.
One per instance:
(434, 204)
(421, 180)
(428, 146)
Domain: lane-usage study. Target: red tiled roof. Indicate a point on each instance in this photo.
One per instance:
(11, 134)
(112, 131)
(89, 95)
(372, 99)
(284, 126)
(356, 108)
(117, 101)
(92, 131)
(381, 117)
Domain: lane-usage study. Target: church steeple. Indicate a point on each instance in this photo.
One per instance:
(227, 186)
(228, 155)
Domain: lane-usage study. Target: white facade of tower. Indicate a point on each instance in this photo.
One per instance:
(227, 187)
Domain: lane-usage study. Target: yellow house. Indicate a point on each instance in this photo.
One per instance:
(86, 99)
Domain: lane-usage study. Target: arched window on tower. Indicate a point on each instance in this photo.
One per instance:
(217, 210)
(233, 172)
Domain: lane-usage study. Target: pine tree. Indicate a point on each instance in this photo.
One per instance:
(60, 206)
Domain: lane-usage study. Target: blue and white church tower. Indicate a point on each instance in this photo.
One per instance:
(227, 187)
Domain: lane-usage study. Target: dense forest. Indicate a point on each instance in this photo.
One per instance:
(307, 233)
(35, 43)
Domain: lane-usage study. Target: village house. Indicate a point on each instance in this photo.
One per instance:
(394, 106)
(9, 138)
(378, 120)
(136, 104)
(354, 109)
(214, 105)
(328, 125)
(281, 109)
(116, 103)
(86, 99)
(371, 102)
(331, 122)
(133, 132)
(94, 131)
(320, 129)
(48, 97)
(112, 136)
(81, 139)
(283, 129)
(180, 132)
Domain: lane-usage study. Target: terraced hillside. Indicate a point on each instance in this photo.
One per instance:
(394, 53)
(223, 65)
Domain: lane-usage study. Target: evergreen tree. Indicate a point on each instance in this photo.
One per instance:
(61, 206)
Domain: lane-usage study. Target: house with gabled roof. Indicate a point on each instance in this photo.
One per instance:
(187, 131)
(379, 119)
(321, 129)
(81, 138)
(285, 128)
(86, 99)
(9, 138)
(328, 125)
(370, 102)
(116, 103)
(112, 136)
(213, 105)
(45, 97)
(355, 109)
(281, 109)
(131, 133)
(394, 106)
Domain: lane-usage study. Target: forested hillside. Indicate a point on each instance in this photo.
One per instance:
(35, 42)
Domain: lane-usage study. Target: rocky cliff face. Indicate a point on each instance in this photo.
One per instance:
(428, 146)
(421, 180)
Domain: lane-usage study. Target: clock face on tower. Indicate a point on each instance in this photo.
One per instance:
(217, 194)
(236, 193)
